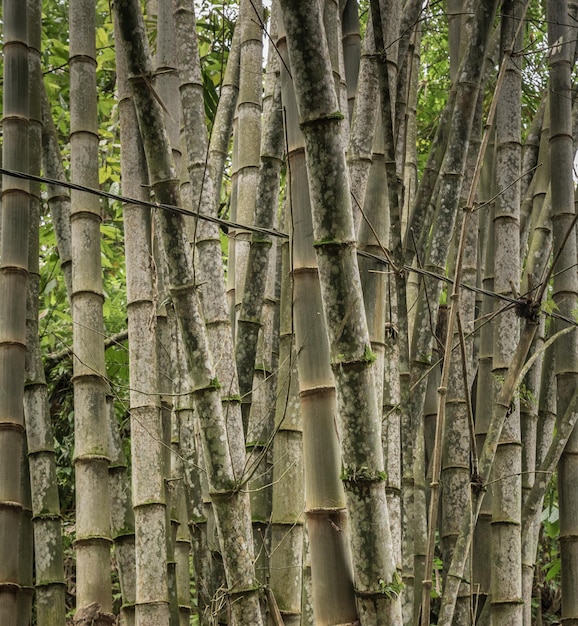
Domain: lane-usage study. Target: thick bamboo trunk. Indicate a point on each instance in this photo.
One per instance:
(90, 387)
(13, 280)
(256, 328)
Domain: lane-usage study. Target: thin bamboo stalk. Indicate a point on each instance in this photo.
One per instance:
(50, 587)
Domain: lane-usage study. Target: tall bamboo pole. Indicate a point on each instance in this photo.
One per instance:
(50, 587)
(13, 281)
(561, 33)
(149, 498)
(328, 559)
(506, 578)
(89, 375)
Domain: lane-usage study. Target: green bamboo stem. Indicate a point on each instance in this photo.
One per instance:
(531, 524)
(362, 124)
(250, 320)
(486, 385)
(13, 282)
(179, 516)
(248, 136)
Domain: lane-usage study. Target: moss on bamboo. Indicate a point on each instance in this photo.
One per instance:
(363, 474)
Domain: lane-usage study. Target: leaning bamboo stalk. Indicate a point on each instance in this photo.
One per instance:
(205, 236)
(223, 122)
(359, 421)
(198, 504)
(533, 504)
(223, 441)
(13, 281)
(467, 90)
(167, 85)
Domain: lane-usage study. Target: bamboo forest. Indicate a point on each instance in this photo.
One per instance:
(288, 301)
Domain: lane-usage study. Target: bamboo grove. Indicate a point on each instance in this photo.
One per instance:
(287, 319)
